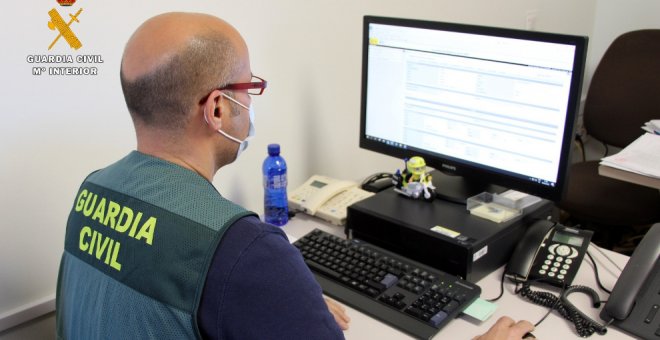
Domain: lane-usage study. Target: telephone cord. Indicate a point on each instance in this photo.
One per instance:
(577, 314)
(584, 326)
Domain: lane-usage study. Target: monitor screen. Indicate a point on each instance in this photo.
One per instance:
(491, 105)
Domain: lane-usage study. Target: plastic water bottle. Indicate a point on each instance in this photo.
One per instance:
(276, 210)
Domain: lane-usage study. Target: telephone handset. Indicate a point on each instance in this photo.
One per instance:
(635, 299)
(326, 198)
(549, 252)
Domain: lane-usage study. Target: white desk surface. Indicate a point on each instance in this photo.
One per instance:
(554, 326)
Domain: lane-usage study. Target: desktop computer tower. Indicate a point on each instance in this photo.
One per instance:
(441, 234)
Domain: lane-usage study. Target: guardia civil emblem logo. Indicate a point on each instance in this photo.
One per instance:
(58, 24)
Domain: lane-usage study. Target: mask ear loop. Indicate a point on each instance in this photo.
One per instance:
(235, 101)
(206, 119)
(232, 138)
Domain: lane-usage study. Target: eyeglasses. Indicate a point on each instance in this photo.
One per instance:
(254, 87)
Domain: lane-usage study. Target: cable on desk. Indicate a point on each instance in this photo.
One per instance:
(593, 245)
(600, 284)
(584, 326)
(501, 288)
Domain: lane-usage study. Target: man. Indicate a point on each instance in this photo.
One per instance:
(152, 250)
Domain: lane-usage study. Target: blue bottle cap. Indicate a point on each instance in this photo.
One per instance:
(273, 149)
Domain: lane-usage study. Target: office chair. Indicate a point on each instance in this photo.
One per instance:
(623, 95)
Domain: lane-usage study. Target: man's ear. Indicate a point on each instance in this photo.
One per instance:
(213, 110)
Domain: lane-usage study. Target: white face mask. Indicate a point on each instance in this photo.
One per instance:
(251, 131)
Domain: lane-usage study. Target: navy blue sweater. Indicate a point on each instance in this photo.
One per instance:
(258, 287)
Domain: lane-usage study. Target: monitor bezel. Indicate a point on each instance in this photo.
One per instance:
(458, 167)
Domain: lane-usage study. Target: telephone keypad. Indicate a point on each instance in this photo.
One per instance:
(558, 261)
(302, 194)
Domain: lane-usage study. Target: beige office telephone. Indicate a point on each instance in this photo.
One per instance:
(326, 198)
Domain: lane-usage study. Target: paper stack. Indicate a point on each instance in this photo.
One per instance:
(652, 126)
(642, 156)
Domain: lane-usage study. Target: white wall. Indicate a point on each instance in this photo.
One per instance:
(615, 17)
(55, 130)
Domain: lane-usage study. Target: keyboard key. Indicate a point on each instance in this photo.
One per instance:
(438, 318)
(389, 280)
(376, 285)
(651, 315)
(416, 312)
(394, 271)
(451, 306)
(372, 292)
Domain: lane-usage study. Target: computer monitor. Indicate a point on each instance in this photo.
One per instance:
(489, 106)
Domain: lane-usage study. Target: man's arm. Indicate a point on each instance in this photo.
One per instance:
(259, 287)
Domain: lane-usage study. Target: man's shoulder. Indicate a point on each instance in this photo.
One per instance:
(249, 229)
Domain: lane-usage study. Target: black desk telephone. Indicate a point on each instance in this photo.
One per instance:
(549, 252)
(635, 299)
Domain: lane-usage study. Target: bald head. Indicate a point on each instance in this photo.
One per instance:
(172, 61)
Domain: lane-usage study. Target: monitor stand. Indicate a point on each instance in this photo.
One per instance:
(458, 189)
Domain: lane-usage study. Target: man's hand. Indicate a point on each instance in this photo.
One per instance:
(339, 312)
(507, 329)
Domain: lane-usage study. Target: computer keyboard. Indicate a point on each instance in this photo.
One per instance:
(408, 295)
